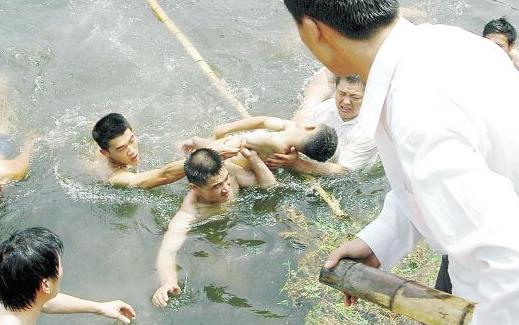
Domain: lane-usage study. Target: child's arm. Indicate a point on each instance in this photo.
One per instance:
(250, 123)
(171, 243)
(258, 174)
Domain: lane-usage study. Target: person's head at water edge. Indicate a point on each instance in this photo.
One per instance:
(344, 34)
(348, 96)
(30, 269)
(501, 32)
(116, 140)
(208, 177)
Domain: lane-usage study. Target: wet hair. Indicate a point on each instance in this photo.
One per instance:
(351, 79)
(109, 127)
(322, 145)
(355, 19)
(501, 26)
(202, 164)
(27, 258)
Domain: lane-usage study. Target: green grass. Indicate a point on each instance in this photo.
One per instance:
(303, 287)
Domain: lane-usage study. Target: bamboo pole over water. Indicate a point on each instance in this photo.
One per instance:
(162, 16)
(397, 294)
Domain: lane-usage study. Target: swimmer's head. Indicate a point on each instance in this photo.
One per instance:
(207, 176)
(501, 32)
(320, 142)
(116, 139)
(30, 268)
(349, 93)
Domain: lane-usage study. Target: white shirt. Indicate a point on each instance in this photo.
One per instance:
(443, 106)
(355, 149)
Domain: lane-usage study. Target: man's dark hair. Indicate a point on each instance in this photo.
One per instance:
(26, 258)
(322, 145)
(351, 79)
(109, 127)
(501, 26)
(202, 164)
(355, 19)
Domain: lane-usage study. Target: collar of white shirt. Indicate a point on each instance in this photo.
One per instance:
(381, 73)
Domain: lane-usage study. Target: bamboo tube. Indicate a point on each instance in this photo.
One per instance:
(397, 294)
(162, 16)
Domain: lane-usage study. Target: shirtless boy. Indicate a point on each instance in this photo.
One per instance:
(213, 183)
(317, 142)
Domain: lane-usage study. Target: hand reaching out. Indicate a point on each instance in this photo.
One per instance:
(161, 296)
(117, 310)
(278, 160)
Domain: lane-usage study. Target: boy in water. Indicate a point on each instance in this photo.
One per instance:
(212, 183)
(30, 276)
(317, 142)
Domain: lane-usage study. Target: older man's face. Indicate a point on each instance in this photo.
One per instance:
(348, 98)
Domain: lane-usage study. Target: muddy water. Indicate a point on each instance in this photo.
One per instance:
(70, 62)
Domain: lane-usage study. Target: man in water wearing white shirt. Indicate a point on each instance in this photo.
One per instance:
(448, 143)
(355, 151)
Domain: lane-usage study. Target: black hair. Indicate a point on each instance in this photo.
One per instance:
(322, 145)
(351, 79)
(355, 19)
(109, 127)
(501, 26)
(202, 164)
(26, 258)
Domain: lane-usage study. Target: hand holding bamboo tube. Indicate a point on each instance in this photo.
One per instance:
(397, 294)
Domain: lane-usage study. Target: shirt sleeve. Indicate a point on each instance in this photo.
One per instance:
(471, 211)
(358, 152)
(391, 236)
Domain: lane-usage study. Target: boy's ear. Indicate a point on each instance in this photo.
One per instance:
(45, 286)
(104, 152)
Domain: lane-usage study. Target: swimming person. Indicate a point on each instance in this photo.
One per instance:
(14, 163)
(271, 135)
(356, 150)
(504, 34)
(448, 144)
(213, 183)
(30, 276)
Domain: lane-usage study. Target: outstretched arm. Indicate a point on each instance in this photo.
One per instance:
(65, 304)
(250, 123)
(169, 173)
(171, 243)
(318, 89)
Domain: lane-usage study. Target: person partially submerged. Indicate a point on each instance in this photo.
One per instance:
(272, 135)
(14, 162)
(119, 152)
(213, 183)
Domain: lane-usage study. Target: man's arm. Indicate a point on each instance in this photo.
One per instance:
(169, 173)
(250, 123)
(65, 304)
(319, 88)
(171, 243)
(293, 161)
(259, 174)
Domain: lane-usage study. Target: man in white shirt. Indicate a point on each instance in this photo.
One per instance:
(355, 150)
(447, 138)
(501, 32)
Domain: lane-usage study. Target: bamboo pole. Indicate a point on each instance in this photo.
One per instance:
(397, 294)
(162, 16)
